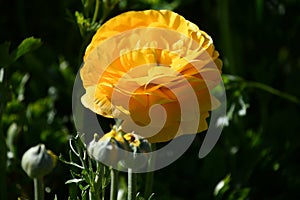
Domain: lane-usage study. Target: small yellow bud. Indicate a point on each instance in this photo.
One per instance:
(117, 147)
(38, 162)
(139, 148)
(107, 148)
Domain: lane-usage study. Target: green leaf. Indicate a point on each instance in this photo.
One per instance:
(222, 186)
(27, 45)
(84, 188)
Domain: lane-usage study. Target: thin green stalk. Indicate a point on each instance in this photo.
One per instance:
(131, 185)
(96, 11)
(98, 178)
(107, 8)
(253, 84)
(150, 175)
(102, 174)
(81, 154)
(93, 195)
(96, 182)
(113, 184)
(3, 148)
(38, 188)
(3, 193)
(273, 91)
(149, 184)
(103, 195)
(223, 6)
(3, 165)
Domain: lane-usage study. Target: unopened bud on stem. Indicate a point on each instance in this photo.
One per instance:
(38, 161)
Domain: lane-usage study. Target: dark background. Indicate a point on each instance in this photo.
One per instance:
(257, 156)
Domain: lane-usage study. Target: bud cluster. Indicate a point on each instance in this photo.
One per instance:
(116, 146)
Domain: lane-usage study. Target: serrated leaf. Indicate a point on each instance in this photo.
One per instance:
(27, 45)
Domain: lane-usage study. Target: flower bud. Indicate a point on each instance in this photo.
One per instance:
(118, 147)
(107, 149)
(38, 162)
(139, 148)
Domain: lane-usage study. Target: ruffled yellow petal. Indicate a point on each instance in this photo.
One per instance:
(141, 59)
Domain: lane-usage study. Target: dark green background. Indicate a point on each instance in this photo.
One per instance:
(257, 40)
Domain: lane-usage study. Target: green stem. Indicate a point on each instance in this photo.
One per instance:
(3, 148)
(38, 188)
(3, 165)
(261, 86)
(113, 184)
(96, 186)
(273, 91)
(223, 6)
(93, 195)
(102, 174)
(131, 185)
(107, 8)
(103, 194)
(149, 184)
(150, 175)
(96, 11)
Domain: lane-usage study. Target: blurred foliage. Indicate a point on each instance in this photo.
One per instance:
(85, 172)
(257, 156)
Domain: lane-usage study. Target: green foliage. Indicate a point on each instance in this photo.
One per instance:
(223, 190)
(90, 177)
(27, 45)
(257, 156)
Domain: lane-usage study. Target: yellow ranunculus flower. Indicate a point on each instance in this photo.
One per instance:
(140, 59)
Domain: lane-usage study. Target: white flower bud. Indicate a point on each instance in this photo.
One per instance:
(139, 149)
(107, 149)
(38, 162)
